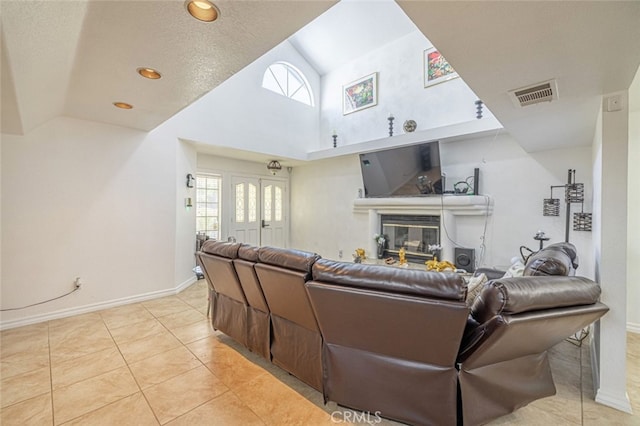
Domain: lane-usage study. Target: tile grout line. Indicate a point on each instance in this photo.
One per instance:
(130, 371)
(133, 375)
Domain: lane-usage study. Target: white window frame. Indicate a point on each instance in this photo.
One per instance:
(284, 91)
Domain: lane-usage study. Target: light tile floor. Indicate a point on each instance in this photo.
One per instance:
(159, 362)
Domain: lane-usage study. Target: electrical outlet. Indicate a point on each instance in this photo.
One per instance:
(77, 283)
(340, 254)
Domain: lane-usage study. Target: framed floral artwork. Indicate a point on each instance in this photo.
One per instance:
(360, 94)
(436, 68)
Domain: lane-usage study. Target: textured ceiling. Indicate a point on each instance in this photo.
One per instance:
(76, 58)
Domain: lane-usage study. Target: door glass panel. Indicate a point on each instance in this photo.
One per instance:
(240, 202)
(267, 203)
(253, 203)
(278, 204)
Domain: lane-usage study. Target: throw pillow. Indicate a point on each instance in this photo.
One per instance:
(515, 270)
(474, 286)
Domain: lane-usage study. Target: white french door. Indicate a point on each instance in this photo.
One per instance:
(275, 209)
(260, 211)
(245, 220)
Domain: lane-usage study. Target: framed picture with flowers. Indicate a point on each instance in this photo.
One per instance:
(360, 94)
(436, 68)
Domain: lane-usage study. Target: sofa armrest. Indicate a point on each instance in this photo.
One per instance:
(532, 293)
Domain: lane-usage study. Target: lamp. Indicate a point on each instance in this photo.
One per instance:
(190, 180)
(274, 167)
(574, 193)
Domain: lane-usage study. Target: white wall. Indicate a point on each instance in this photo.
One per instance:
(185, 217)
(323, 194)
(401, 92)
(322, 218)
(633, 225)
(89, 200)
(518, 182)
(240, 114)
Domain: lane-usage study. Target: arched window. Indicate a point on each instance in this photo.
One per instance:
(286, 80)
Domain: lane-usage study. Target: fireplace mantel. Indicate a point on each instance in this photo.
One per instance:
(448, 207)
(458, 205)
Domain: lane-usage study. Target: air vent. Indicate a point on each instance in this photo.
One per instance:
(535, 94)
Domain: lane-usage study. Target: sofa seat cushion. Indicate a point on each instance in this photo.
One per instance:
(440, 285)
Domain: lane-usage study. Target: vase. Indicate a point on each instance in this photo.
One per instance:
(380, 251)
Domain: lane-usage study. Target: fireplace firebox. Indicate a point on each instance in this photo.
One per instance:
(414, 233)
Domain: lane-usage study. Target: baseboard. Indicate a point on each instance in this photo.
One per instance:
(63, 313)
(621, 403)
(633, 327)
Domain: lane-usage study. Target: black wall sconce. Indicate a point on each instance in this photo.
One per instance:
(190, 180)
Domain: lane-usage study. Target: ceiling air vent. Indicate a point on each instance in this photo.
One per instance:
(535, 94)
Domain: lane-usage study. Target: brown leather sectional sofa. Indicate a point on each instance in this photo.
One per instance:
(398, 342)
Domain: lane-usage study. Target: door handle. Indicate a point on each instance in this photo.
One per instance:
(264, 224)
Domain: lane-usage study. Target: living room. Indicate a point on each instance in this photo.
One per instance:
(106, 202)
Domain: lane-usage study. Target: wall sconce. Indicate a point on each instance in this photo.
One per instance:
(274, 166)
(190, 180)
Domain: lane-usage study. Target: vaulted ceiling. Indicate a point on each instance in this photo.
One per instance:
(75, 58)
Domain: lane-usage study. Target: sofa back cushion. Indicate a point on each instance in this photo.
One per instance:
(248, 252)
(216, 258)
(296, 260)
(245, 268)
(282, 274)
(221, 248)
(439, 285)
(555, 259)
(516, 295)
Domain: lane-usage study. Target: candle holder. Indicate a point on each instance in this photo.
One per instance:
(391, 118)
(478, 109)
(335, 140)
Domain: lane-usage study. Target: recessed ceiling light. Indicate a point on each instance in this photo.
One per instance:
(149, 73)
(202, 10)
(123, 105)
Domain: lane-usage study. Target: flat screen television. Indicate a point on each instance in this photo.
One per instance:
(402, 172)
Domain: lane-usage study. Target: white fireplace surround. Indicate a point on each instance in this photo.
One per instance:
(448, 207)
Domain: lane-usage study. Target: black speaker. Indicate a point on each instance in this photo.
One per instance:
(476, 181)
(465, 258)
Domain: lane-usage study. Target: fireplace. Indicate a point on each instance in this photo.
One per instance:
(414, 233)
(448, 209)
